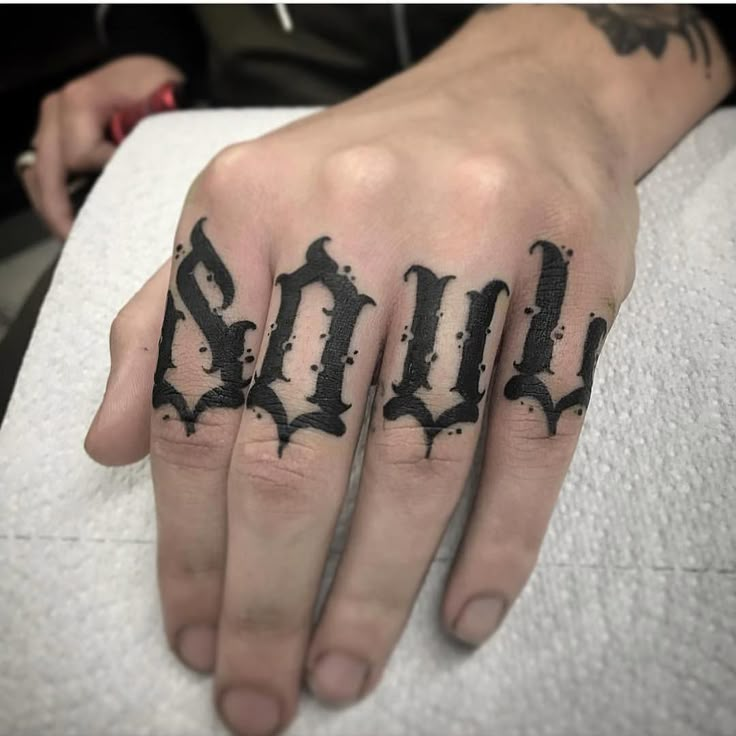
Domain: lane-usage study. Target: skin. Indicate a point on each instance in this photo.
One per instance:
(526, 126)
(70, 135)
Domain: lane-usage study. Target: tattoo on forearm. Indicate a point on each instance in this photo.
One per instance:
(633, 27)
(225, 342)
(544, 330)
(347, 304)
(420, 354)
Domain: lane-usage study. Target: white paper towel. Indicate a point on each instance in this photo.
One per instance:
(628, 625)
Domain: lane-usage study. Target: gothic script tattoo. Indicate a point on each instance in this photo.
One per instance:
(544, 330)
(631, 27)
(346, 306)
(420, 354)
(226, 341)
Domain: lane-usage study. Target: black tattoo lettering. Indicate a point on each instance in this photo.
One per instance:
(420, 354)
(632, 27)
(226, 342)
(544, 331)
(344, 311)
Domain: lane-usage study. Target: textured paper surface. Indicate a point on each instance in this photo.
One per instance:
(628, 625)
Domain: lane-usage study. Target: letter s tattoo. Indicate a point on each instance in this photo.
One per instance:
(226, 341)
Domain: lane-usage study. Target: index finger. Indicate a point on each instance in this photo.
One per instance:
(54, 201)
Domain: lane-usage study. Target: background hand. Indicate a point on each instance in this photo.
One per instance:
(70, 137)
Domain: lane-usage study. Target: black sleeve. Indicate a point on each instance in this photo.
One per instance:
(722, 18)
(169, 31)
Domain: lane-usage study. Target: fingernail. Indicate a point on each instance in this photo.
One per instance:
(251, 712)
(338, 678)
(196, 647)
(479, 618)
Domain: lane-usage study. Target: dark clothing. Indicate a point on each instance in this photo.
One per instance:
(240, 55)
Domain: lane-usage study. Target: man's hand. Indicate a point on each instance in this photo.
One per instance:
(70, 137)
(468, 227)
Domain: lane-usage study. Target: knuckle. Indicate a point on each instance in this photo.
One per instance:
(47, 102)
(263, 618)
(528, 444)
(486, 179)
(73, 92)
(230, 167)
(280, 487)
(406, 446)
(416, 486)
(189, 566)
(123, 328)
(361, 171)
(208, 448)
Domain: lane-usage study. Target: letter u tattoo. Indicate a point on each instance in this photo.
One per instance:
(420, 355)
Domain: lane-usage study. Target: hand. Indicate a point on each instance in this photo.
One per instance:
(410, 228)
(70, 137)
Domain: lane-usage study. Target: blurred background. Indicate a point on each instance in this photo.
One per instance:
(37, 59)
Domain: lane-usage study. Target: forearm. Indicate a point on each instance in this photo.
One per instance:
(649, 77)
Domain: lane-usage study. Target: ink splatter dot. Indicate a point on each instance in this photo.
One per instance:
(569, 251)
(488, 330)
(352, 278)
(459, 430)
(531, 408)
(249, 350)
(562, 328)
(528, 310)
(347, 269)
(482, 367)
(287, 347)
(450, 432)
(522, 403)
(258, 415)
(179, 248)
(580, 412)
(460, 335)
(313, 367)
(272, 325)
(403, 338)
(355, 352)
(166, 417)
(249, 358)
(209, 277)
(323, 336)
(592, 314)
(203, 349)
(434, 357)
(349, 361)
(558, 336)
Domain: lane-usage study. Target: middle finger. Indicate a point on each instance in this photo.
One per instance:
(289, 471)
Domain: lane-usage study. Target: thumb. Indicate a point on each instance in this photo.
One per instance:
(119, 433)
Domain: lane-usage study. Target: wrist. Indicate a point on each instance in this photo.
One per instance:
(644, 92)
